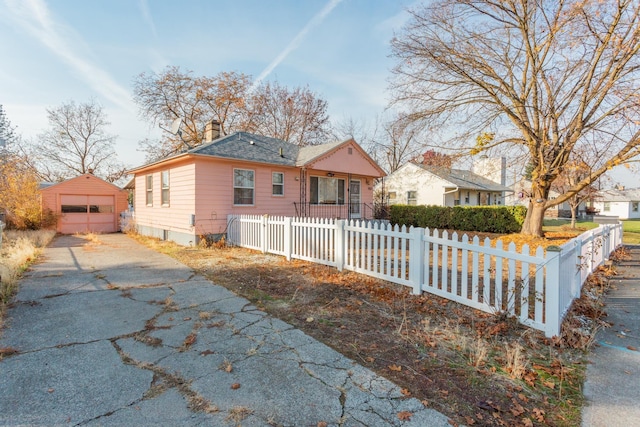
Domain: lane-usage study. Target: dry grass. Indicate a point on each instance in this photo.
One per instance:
(19, 250)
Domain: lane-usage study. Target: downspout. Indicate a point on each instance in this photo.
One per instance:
(444, 195)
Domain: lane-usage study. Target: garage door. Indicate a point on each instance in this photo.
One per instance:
(81, 214)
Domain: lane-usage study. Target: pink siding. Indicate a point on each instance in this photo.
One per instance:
(176, 215)
(340, 160)
(214, 187)
(85, 189)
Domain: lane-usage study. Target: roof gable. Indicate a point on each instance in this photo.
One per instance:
(346, 156)
(95, 181)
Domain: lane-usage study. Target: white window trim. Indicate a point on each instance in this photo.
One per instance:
(164, 202)
(280, 184)
(148, 190)
(253, 199)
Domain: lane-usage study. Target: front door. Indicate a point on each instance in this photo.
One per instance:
(354, 198)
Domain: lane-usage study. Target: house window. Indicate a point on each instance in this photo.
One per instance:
(607, 207)
(277, 184)
(391, 198)
(412, 197)
(243, 187)
(165, 188)
(326, 191)
(466, 199)
(149, 190)
(634, 206)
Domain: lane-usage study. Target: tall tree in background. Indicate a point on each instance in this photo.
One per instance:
(295, 115)
(546, 77)
(76, 143)
(19, 185)
(7, 134)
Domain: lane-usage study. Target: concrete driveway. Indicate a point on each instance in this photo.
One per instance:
(116, 334)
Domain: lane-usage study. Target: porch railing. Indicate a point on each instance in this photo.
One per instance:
(346, 211)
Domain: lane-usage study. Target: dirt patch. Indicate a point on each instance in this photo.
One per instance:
(477, 368)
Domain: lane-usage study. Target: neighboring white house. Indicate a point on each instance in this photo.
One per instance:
(621, 203)
(418, 184)
(520, 196)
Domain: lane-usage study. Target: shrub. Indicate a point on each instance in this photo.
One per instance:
(486, 219)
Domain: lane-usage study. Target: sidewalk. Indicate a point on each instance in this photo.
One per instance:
(117, 334)
(612, 387)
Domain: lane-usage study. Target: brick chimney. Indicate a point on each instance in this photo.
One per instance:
(212, 131)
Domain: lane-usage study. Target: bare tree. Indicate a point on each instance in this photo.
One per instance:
(544, 76)
(76, 143)
(294, 115)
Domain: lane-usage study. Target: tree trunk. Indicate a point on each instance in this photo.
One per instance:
(574, 213)
(532, 225)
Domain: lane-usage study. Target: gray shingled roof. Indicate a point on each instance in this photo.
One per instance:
(613, 195)
(464, 179)
(251, 147)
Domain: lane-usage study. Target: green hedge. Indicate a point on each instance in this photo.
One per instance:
(486, 219)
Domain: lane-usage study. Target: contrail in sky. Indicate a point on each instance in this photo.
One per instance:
(35, 17)
(297, 40)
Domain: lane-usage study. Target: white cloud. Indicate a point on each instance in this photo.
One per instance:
(146, 14)
(297, 40)
(34, 16)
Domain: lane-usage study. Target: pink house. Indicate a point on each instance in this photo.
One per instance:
(189, 195)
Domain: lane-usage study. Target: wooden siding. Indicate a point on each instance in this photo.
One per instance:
(176, 216)
(341, 161)
(214, 189)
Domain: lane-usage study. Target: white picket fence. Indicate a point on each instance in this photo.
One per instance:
(538, 289)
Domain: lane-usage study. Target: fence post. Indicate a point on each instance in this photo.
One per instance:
(264, 233)
(416, 255)
(338, 242)
(287, 237)
(553, 319)
(576, 284)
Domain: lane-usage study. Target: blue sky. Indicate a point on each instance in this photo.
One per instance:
(57, 51)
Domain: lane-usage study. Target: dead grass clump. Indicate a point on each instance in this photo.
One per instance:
(19, 249)
(516, 362)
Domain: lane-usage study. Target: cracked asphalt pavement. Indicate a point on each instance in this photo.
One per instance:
(113, 333)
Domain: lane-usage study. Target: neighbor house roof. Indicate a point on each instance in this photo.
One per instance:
(464, 179)
(614, 195)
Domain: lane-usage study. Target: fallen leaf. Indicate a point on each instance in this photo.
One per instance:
(370, 359)
(395, 368)
(309, 319)
(470, 421)
(321, 424)
(632, 348)
(51, 390)
(549, 384)
(405, 392)
(404, 415)
(235, 386)
(206, 352)
(527, 422)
